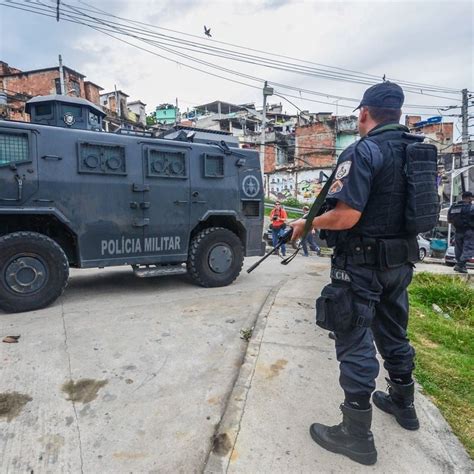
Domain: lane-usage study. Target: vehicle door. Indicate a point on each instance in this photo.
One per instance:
(18, 166)
(104, 197)
(166, 178)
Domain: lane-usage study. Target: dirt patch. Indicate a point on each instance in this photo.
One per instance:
(278, 366)
(427, 342)
(222, 444)
(11, 404)
(83, 390)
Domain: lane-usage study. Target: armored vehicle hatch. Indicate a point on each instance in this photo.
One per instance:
(65, 111)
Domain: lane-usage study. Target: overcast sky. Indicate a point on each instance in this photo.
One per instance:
(419, 41)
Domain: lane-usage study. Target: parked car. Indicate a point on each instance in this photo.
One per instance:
(424, 246)
(450, 259)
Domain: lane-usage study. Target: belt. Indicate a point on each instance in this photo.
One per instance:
(380, 253)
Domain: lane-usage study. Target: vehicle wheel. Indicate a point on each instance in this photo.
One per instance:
(215, 257)
(450, 264)
(422, 254)
(33, 271)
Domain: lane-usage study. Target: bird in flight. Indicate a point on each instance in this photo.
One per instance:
(207, 31)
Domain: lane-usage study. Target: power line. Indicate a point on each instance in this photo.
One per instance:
(372, 76)
(220, 53)
(259, 59)
(106, 29)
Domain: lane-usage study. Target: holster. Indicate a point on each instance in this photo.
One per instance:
(339, 309)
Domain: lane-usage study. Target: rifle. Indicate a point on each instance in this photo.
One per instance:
(283, 239)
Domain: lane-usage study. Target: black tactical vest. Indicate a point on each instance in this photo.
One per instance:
(384, 214)
(461, 215)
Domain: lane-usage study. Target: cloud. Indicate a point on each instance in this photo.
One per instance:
(419, 41)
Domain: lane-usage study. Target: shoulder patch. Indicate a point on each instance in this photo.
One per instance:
(336, 187)
(343, 169)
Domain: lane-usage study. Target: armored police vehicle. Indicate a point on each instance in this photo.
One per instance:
(72, 195)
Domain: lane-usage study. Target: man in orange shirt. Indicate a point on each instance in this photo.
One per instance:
(278, 218)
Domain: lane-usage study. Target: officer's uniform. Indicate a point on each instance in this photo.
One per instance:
(390, 178)
(374, 185)
(462, 216)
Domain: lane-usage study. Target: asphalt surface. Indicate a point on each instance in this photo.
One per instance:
(152, 362)
(136, 375)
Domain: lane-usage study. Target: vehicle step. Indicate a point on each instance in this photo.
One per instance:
(149, 271)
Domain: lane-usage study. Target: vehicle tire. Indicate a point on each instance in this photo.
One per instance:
(449, 264)
(422, 254)
(33, 271)
(215, 257)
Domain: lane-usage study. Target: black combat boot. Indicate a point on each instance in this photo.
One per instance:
(460, 268)
(352, 437)
(398, 402)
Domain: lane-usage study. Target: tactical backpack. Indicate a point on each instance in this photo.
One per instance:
(422, 201)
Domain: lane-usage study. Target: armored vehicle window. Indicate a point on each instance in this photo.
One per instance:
(101, 159)
(74, 110)
(213, 166)
(251, 208)
(93, 119)
(13, 148)
(43, 109)
(166, 164)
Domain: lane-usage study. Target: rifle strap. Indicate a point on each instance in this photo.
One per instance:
(313, 212)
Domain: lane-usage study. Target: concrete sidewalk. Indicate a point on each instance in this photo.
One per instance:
(290, 379)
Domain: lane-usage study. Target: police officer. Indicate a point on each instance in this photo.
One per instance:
(371, 269)
(461, 215)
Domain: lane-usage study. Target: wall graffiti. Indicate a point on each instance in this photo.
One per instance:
(304, 185)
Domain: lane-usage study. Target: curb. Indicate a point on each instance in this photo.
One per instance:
(229, 426)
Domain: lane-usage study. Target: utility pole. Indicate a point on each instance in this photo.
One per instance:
(61, 76)
(267, 91)
(451, 195)
(176, 113)
(465, 138)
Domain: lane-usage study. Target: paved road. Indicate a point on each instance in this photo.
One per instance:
(130, 375)
(152, 363)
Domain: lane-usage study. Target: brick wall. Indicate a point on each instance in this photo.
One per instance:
(92, 92)
(33, 83)
(315, 144)
(270, 159)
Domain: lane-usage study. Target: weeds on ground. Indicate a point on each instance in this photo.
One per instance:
(444, 344)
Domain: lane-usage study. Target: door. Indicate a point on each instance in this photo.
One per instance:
(18, 166)
(103, 198)
(166, 176)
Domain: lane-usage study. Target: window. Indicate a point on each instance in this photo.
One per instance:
(282, 157)
(166, 164)
(43, 109)
(57, 85)
(74, 110)
(13, 148)
(75, 87)
(213, 166)
(102, 159)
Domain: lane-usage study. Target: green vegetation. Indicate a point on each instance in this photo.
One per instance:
(444, 343)
(291, 215)
(292, 202)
